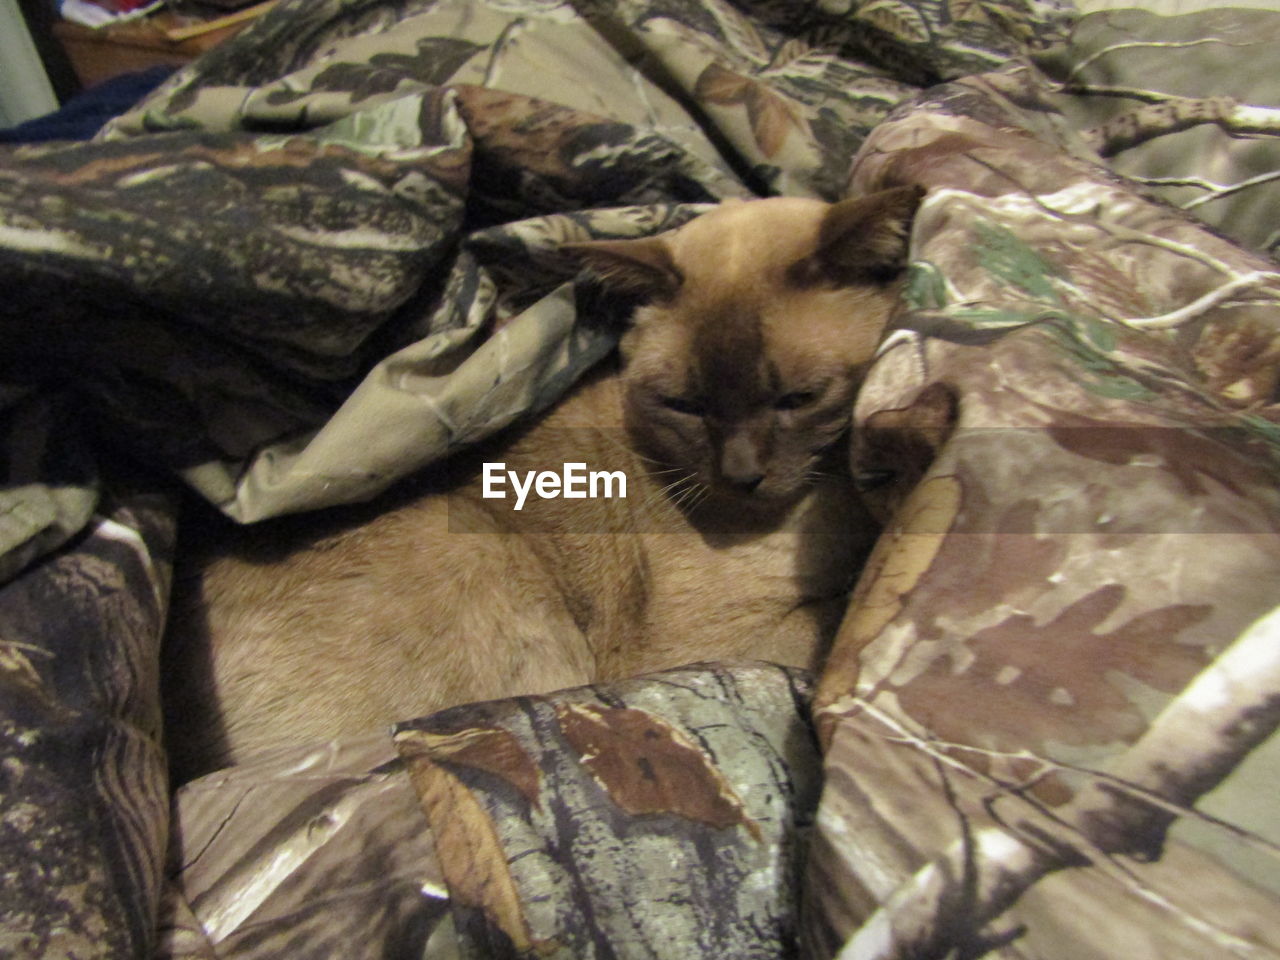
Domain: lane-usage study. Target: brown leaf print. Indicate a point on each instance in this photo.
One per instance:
(899, 20)
(722, 87)
(902, 556)
(967, 11)
(470, 852)
(771, 117)
(1022, 685)
(1102, 284)
(490, 749)
(902, 443)
(1205, 465)
(107, 168)
(981, 570)
(525, 132)
(648, 767)
(1239, 360)
(792, 51)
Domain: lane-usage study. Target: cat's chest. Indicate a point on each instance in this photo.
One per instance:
(688, 562)
(779, 570)
(774, 596)
(751, 600)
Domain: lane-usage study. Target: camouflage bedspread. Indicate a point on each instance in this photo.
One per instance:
(325, 256)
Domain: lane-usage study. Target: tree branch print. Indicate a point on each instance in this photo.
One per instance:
(1124, 812)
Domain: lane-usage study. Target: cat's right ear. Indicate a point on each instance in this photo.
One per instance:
(642, 268)
(862, 239)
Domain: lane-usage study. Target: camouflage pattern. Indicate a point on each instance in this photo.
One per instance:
(1133, 82)
(316, 853)
(1063, 648)
(662, 816)
(651, 816)
(326, 256)
(84, 809)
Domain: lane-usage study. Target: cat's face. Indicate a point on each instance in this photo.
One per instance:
(761, 318)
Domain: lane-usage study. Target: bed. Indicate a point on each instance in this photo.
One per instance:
(326, 255)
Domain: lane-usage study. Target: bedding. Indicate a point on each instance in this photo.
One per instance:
(325, 256)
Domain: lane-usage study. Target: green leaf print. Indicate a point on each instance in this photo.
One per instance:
(926, 288)
(1099, 333)
(1003, 254)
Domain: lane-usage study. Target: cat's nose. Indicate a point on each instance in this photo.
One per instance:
(746, 483)
(740, 464)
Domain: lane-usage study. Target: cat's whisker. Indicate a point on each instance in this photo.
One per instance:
(631, 450)
(675, 485)
(651, 460)
(693, 496)
(687, 498)
(674, 491)
(681, 491)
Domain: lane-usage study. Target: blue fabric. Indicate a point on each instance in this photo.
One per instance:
(84, 114)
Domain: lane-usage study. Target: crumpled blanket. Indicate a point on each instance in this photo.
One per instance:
(326, 256)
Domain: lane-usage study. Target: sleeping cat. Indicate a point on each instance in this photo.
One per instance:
(737, 536)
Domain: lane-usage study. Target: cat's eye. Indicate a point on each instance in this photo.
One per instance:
(692, 408)
(794, 401)
(868, 480)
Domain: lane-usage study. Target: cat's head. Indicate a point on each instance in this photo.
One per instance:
(759, 320)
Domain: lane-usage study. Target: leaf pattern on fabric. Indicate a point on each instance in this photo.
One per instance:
(900, 20)
(646, 766)
(772, 119)
(901, 559)
(437, 59)
(1239, 361)
(972, 11)
(1053, 682)
(470, 851)
(85, 810)
(493, 751)
(1202, 462)
(1003, 254)
(630, 841)
(1062, 319)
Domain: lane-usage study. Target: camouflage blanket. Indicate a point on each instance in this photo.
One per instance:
(326, 255)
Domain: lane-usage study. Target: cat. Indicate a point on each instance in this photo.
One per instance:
(737, 537)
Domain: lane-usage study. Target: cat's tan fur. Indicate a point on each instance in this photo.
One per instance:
(738, 377)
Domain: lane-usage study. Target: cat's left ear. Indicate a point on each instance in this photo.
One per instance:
(862, 239)
(642, 268)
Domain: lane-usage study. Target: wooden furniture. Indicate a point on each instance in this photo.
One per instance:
(98, 55)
